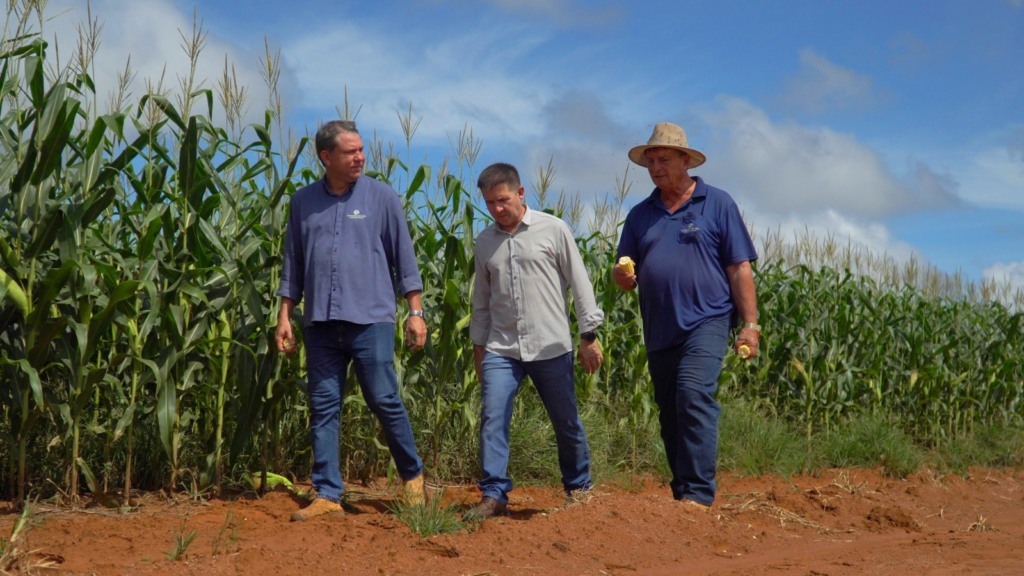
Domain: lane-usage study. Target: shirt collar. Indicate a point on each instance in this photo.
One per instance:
(350, 189)
(527, 217)
(526, 221)
(699, 191)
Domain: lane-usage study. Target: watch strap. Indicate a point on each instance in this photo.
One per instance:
(751, 326)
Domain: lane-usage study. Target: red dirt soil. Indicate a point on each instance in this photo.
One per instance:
(841, 522)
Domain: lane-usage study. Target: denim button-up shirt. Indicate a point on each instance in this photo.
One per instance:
(349, 255)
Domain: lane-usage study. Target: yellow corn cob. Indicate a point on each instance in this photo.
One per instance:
(627, 264)
(743, 351)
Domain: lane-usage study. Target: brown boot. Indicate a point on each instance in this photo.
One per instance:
(487, 508)
(578, 496)
(413, 491)
(694, 506)
(318, 507)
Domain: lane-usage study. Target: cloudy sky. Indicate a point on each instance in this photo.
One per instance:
(897, 126)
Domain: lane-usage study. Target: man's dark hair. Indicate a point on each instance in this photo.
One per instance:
(499, 173)
(327, 134)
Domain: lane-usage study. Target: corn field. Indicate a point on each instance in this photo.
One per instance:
(139, 257)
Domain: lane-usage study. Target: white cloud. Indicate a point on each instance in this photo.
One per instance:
(828, 237)
(448, 85)
(994, 174)
(562, 12)
(150, 33)
(1009, 279)
(822, 86)
(790, 168)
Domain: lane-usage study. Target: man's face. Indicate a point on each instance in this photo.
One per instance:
(345, 161)
(505, 205)
(667, 166)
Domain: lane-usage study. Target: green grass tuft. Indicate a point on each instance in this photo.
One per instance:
(429, 519)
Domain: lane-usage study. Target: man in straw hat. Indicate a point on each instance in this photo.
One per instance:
(691, 253)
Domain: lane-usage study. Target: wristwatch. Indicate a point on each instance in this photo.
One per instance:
(589, 336)
(419, 313)
(752, 326)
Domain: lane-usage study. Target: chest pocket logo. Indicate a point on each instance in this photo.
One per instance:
(689, 230)
(356, 215)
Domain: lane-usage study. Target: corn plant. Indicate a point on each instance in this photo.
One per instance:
(139, 258)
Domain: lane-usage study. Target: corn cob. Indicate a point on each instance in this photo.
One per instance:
(743, 351)
(627, 264)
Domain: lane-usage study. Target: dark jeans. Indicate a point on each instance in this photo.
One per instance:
(685, 380)
(330, 346)
(555, 383)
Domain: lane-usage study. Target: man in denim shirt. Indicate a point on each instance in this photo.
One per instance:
(348, 251)
(692, 255)
(526, 262)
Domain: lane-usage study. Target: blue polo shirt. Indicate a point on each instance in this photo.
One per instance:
(681, 259)
(350, 255)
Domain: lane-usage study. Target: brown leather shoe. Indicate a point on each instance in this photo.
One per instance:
(487, 508)
(695, 506)
(318, 507)
(413, 491)
(578, 496)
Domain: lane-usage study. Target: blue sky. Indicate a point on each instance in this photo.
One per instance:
(896, 126)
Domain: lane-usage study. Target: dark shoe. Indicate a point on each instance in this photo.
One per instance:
(487, 508)
(319, 507)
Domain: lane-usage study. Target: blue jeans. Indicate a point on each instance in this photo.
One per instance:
(555, 383)
(330, 346)
(685, 379)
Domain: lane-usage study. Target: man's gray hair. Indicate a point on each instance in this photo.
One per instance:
(327, 134)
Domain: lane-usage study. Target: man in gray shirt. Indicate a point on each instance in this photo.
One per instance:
(526, 262)
(348, 250)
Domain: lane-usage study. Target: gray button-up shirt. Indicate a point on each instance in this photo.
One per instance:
(520, 293)
(350, 255)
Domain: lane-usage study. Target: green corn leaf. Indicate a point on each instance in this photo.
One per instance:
(45, 234)
(10, 289)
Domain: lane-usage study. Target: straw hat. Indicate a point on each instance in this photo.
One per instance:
(667, 135)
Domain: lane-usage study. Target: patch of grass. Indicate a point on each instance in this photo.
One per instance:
(533, 454)
(429, 519)
(183, 538)
(621, 445)
(226, 539)
(14, 557)
(991, 446)
(872, 441)
(753, 442)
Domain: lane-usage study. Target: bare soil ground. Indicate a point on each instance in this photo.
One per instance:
(841, 522)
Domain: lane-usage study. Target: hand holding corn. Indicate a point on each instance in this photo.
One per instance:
(627, 265)
(624, 273)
